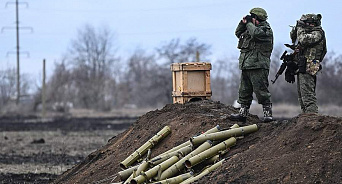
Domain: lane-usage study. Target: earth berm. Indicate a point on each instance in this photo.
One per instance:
(304, 149)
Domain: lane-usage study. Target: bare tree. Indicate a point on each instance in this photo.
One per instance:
(329, 82)
(92, 58)
(8, 86)
(175, 52)
(145, 81)
(225, 80)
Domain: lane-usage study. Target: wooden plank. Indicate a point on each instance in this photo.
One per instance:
(207, 81)
(174, 81)
(183, 99)
(190, 66)
(185, 81)
(175, 67)
(191, 94)
(202, 67)
(178, 82)
(196, 81)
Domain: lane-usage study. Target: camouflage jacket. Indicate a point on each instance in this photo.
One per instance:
(255, 44)
(311, 40)
(313, 46)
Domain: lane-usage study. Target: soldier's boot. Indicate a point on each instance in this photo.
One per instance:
(267, 109)
(242, 115)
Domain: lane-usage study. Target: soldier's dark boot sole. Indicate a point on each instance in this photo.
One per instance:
(268, 119)
(237, 117)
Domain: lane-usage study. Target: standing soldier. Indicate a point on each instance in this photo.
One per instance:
(312, 49)
(255, 44)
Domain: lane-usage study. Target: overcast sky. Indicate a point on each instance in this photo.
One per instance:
(148, 23)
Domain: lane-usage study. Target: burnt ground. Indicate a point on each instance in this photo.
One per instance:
(304, 149)
(34, 150)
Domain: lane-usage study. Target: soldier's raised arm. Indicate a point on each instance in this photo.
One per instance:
(240, 28)
(262, 33)
(310, 38)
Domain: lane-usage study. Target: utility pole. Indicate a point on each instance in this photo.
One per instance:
(17, 46)
(18, 57)
(43, 91)
(197, 56)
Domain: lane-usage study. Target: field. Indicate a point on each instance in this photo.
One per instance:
(35, 150)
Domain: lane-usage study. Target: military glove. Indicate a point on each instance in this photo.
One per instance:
(300, 24)
(292, 66)
(289, 77)
(248, 18)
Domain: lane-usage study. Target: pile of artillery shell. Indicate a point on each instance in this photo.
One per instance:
(176, 165)
(145, 147)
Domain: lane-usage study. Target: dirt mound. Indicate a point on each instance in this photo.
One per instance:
(304, 149)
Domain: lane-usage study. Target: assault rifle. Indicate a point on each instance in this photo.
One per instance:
(288, 62)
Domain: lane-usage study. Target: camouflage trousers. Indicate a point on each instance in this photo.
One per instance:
(306, 87)
(256, 81)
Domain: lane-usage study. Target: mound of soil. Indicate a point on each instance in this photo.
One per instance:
(305, 149)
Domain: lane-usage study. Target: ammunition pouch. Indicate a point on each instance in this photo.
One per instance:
(313, 66)
(302, 64)
(289, 77)
(244, 40)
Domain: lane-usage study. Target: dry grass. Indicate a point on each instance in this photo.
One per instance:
(114, 113)
(289, 111)
(332, 110)
(279, 111)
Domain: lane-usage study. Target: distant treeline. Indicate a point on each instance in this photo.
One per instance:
(92, 75)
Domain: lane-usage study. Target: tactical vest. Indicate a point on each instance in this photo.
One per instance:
(247, 43)
(314, 54)
(316, 51)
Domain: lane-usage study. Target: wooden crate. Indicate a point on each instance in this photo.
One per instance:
(191, 81)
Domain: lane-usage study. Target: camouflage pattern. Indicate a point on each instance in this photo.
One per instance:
(312, 42)
(306, 85)
(312, 66)
(260, 12)
(256, 45)
(313, 18)
(311, 39)
(254, 81)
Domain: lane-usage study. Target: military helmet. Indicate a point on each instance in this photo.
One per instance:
(260, 12)
(312, 18)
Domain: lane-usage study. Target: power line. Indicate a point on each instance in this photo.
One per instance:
(18, 52)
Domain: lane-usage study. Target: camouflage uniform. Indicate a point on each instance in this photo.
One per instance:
(255, 44)
(311, 40)
(254, 61)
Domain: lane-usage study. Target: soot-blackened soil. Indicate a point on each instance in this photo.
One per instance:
(35, 150)
(305, 149)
